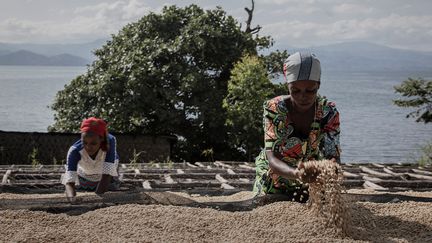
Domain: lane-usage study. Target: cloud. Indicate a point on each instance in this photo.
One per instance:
(13, 30)
(17, 26)
(294, 10)
(290, 6)
(88, 23)
(287, 2)
(295, 22)
(107, 18)
(347, 8)
(393, 30)
(119, 10)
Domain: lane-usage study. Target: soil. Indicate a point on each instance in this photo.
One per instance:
(401, 221)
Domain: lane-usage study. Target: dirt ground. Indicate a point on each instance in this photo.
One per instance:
(398, 221)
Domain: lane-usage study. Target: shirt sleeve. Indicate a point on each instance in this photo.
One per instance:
(73, 157)
(274, 121)
(111, 160)
(331, 134)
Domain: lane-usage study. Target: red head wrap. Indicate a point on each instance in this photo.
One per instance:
(96, 126)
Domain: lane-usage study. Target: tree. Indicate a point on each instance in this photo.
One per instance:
(249, 20)
(165, 74)
(420, 93)
(248, 88)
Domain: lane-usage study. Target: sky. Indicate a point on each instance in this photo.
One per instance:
(299, 23)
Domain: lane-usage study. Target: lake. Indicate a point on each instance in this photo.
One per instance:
(372, 128)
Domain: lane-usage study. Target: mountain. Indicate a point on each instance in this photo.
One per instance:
(83, 50)
(24, 57)
(365, 56)
(68, 60)
(4, 52)
(345, 56)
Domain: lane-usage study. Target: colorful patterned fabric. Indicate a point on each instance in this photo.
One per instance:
(88, 185)
(281, 138)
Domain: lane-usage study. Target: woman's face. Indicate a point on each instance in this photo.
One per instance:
(303, 94)
(91, 143)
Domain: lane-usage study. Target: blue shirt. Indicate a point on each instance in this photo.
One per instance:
(79, 162)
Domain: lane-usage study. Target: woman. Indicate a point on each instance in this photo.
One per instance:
(92, 161)
(298, 127)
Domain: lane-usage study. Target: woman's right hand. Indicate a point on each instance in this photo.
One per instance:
(70, 193)
(307, 176)
(298, 173)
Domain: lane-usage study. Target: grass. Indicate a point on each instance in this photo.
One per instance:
(426, 156)
(135, 158)
(208, 154)
(56, 162)
(33, 158)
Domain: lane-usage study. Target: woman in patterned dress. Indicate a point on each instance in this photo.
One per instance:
(298, 127)
(92, 161)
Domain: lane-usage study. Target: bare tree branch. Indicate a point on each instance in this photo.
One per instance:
(249, 20)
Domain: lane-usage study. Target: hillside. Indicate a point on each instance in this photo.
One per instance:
(345, 56)
(24, 57)
(365, 56)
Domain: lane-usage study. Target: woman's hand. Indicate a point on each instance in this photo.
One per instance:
(298, 173)
(307, 175)
(103, 184)
(70, 192)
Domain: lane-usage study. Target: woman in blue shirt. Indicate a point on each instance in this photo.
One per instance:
(92, 161)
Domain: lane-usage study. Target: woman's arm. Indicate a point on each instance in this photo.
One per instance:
(281, 168)
(103, 184)
(70, 176)
(288, 172)
(70, 192)
(109, 168)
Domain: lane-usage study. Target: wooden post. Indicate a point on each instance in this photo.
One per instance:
(223, 165)
(347, 174)
(137, 172)
(190, 165)
(220, 178)
(199, 164)
(424, 172)
(371, 185)
(421, 177)
(227, 186)
(231, 172)
(146, 185)
(247, 167)
(169, 180)
(5, 177)
(374, 172)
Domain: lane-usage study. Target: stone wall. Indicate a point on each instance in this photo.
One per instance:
(51, 148)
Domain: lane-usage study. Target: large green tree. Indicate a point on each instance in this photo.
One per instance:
(248, 87)
(164, 74)
(419, 95)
